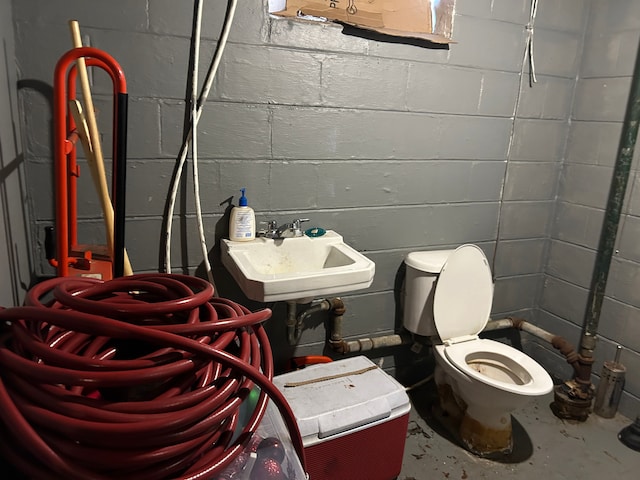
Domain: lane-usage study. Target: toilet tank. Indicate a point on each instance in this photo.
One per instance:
(422, 272)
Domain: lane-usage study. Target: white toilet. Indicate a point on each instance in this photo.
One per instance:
(448, 296)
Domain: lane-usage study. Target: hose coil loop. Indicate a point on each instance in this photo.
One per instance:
(137, 377)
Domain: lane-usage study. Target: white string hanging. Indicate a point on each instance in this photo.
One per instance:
(529, 44)
(528, 57)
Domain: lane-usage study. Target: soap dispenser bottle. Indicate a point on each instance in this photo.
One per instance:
(242, 224)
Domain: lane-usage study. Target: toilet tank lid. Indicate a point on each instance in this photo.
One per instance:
(429, 262)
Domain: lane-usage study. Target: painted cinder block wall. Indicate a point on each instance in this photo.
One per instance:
(610, 45)
(15, 247)
(395, 146)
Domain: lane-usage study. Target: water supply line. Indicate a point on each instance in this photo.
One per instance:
(573, 398)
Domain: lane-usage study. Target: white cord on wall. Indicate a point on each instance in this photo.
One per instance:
(196, 112)
(194, 141)
(528, 54)
(529, 48)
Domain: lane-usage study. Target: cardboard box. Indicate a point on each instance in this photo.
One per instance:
(352, 417)
(423, 19)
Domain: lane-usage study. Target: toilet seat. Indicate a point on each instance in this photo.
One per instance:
(517, 372)
(463, 295)
(461, 307)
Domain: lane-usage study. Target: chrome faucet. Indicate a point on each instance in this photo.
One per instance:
(271, 231)
(287, 230)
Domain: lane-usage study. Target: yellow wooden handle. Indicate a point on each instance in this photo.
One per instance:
(94, 155)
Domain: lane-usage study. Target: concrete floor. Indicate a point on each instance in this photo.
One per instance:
(543, 445)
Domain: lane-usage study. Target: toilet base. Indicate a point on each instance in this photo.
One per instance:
(483, 432)
(484, 440)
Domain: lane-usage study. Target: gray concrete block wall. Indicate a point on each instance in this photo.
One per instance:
(535, 156)
(15, 234)
(396, 147)
(611, 41)
(296, 102)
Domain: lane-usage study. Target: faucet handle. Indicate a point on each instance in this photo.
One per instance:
(272, 228)
(295, 226)
(271, 224)
(297, 222)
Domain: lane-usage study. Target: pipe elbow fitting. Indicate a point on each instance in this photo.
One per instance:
(565, 348)
(517, 322)
(337, 306)
(339, 346)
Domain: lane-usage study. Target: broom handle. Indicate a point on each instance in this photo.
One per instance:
(97, 165)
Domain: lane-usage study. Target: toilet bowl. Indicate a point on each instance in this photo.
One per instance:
(448, 296)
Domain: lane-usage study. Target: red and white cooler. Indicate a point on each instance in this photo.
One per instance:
(352, 416)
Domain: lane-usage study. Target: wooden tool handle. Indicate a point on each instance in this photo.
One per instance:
(94, 155)
(103, 194)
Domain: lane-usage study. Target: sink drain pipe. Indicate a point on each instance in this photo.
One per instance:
(295, 320)
(336, 308)
(369, 343)
(339, 345)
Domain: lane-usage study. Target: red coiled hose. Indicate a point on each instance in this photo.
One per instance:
(137, 377)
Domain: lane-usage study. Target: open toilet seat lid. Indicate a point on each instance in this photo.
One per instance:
(463, 294)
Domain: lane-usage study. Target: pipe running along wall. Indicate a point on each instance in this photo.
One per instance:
(581, 366)
(613, 211)
(340, 345)
(573, 398)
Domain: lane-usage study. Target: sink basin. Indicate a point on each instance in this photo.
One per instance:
(300, 268)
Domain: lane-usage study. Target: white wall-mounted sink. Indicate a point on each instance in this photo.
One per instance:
(299, 268)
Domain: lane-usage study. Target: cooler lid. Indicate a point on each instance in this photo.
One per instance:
(463, 294)
(337, 397)
(429, 262)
